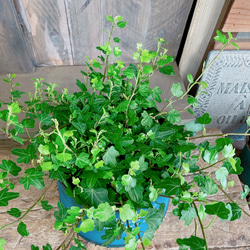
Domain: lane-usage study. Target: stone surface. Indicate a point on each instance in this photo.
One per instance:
(228, 95)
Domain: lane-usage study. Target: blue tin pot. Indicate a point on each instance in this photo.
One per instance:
(95, 236)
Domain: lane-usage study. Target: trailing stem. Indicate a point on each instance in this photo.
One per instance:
(201, 225)
(30, 208)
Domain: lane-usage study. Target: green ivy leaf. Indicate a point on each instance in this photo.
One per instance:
(176, 90)
(5, 196)
(97, 65)
(122, 107)
(47, 166)
(201, 212)
(147, 120)
(244, 194)
(109, 157)
(110, 18)
(2, 243)
(129, 73)
(82, 160)
(205, 119)
(209, 187)
(126, 179)
(80, 126)
(62, 212)
(190, 78)
(25, 155)
(220, 37)
(80, 244)
(163, 62)
(188, 215)
(44, 118)
(136, 55)
(121, 24)
(116, 39)
(228, 151)
(211, 156)
(47, 247)
(10, 167)
(45, 205)
(192, 101)
(131, 245)
(153, 218)
(14, 212)
(127, 213)
(221, 175)
(195, 243)
(75, 248)
(28, 123)
(136, 193)
(117, 51)
(174, 116)
(33, 177)
(94, 197)
(222, 142)
(172, 186)
(147, 69)
(236, 211)
(63, 157)
(153, 195)
(156, 94)
(104, 212)
(85, 226)
(235, 45)
(167, 70)
(193, 127)
(21, 229)
(14, 108)
(248, 121)
(217, 208)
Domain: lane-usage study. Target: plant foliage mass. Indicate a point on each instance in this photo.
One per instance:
(115, 151)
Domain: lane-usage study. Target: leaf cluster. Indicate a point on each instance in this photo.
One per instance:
(115, 152)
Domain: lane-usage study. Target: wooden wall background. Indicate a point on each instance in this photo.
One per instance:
(38, 33)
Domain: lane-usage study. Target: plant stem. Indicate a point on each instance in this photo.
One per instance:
(219, 135)
(143, 247)
(212, 165)
(201, 225)
(71, 231)
(210, 223)
(29, 209)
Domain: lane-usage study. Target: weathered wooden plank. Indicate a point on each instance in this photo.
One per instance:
(46, 31)
(203, 23)
(244, 44)
(13, 52)
(238, 19)
(145, 19)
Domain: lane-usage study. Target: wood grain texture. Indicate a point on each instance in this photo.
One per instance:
(45, 27)
(244, 44)
(238, 19)
(145, 19)
(13, 52)
(203, 23)
(63, 32)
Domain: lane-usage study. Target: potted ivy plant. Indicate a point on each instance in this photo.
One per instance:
(116, 157)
